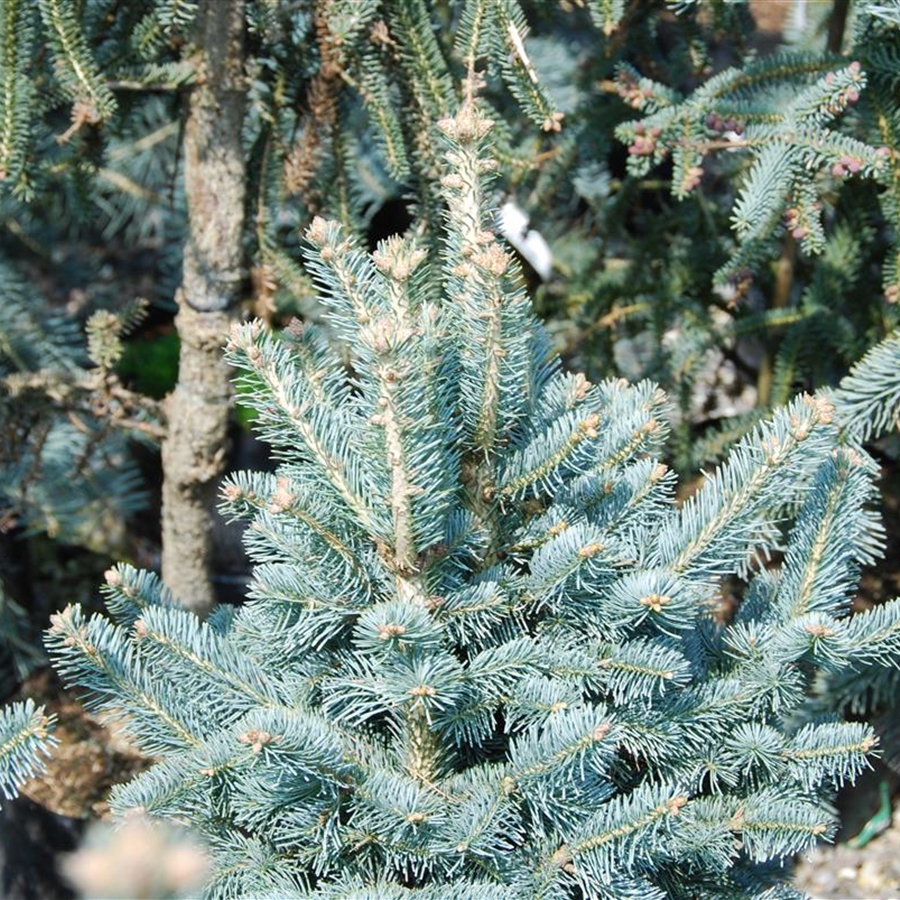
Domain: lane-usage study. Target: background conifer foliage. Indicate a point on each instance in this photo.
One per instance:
(492, 645)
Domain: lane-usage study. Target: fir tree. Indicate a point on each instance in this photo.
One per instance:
(484, 654)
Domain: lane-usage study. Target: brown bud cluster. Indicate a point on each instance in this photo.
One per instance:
(389, 630)
(824, 409)
(553, 122)
(846, 165)
(715, 123)
(422, 690)
(282, 498)
(590, 550)
(692, 177)
(645, 140)
(580, 387)
(59, 622)
(256, 739)
(494, 260)
(793, 221)
(397, 258)
(467, 126)
(317, 233)
(845, 96)
(588, 427)
(819, 631)
(655, 602)
(630, 90)
(231, 492)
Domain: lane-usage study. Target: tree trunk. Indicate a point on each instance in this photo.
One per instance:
(194, 450)
(837, 22)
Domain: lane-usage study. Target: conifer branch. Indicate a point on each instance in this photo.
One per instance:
(16, 95)
(25, 737)
(481, 659)
(78, 72)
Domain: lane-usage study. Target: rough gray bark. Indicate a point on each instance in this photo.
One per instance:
(194, 450)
